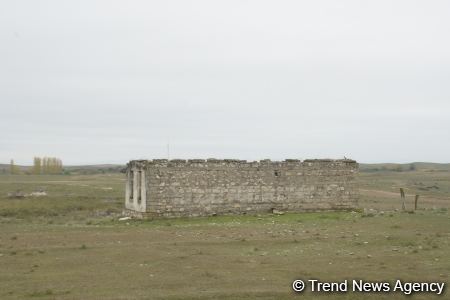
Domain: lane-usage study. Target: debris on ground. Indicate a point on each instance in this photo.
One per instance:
(38, 194)
(17, 194)
(20, 194)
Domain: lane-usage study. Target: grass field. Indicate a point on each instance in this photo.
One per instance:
(70, 244)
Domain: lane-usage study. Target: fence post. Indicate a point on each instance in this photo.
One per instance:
(402, 195)
(415, 202)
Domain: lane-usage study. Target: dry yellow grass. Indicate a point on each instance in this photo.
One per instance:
(70, 245)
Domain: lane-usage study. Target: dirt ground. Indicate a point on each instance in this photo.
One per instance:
(70, 244)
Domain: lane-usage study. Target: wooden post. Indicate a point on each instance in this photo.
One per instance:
(402, 195)
(415, 202)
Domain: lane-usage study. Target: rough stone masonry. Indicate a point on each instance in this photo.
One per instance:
(198, 187)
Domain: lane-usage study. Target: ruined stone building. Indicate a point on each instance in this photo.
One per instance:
(199, 187)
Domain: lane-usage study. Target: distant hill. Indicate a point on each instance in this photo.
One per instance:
(5, 168)
(82, 169)
(116, 168)
(419, 166)
(95, 169)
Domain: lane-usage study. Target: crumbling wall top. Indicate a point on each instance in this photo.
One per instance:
(213, 162)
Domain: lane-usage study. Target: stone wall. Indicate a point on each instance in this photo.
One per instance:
(207, 187)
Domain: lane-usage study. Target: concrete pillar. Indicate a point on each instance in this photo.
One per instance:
(135, 189)
(129, 190)
(143, 192)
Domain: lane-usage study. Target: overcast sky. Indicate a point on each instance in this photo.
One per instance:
(108, 81)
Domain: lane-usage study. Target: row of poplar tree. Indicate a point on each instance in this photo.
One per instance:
(41, 165)
(47, 165)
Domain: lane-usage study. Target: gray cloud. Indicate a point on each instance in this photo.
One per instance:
(107, 81)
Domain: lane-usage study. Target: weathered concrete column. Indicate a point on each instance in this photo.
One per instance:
(143, 192)
(135, 189)
(129, 190)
